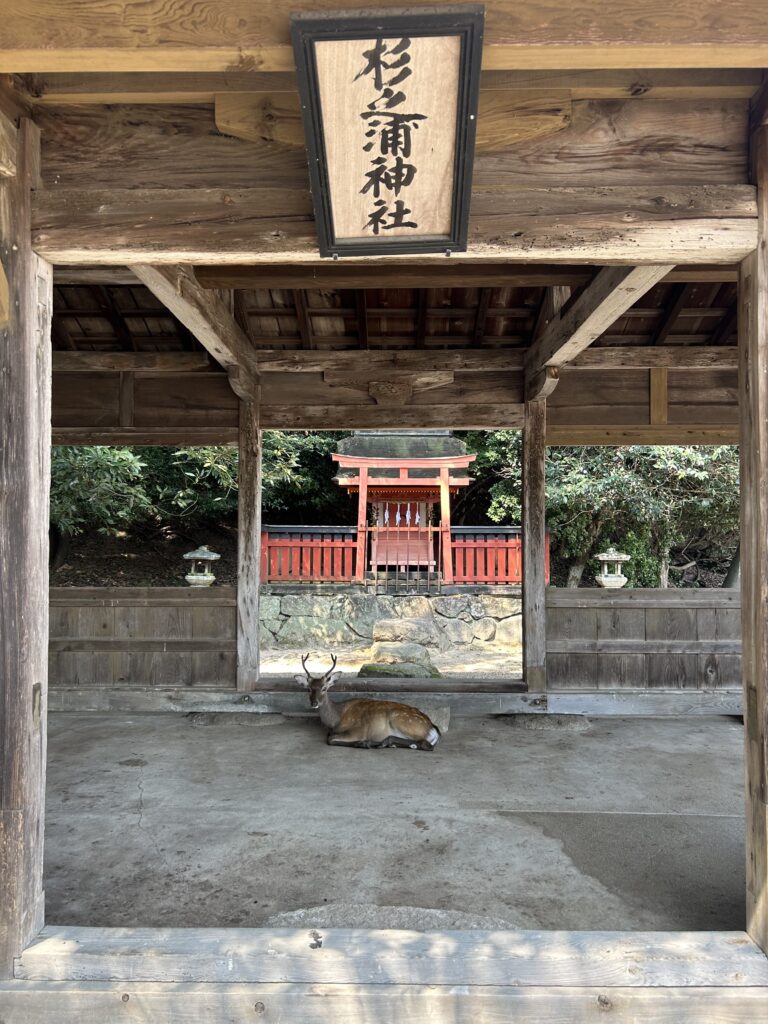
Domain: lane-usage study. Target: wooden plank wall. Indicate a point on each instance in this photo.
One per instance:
(643, 639)
(173, 637)
(166, 637)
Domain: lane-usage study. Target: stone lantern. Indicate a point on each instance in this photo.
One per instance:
(200, 574)
(611, 575)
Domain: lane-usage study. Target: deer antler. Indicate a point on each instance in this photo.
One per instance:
(304, 661)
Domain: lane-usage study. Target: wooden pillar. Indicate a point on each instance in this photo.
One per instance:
(753, 405)
(534, 587)
(25, 442)
(248, 547)
(445, 524)
(362, 524)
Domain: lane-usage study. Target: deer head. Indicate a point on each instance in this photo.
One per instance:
(318, 684)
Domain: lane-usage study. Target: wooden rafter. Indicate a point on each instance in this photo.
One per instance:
(361, 313)
(612, 292)
(130, 362)
(670, 317)
(208, 317)
(302, 318)
(725, 328)
(420, 325)
(481, 315)
(108, 309)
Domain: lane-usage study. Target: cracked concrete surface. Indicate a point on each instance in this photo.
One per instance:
(222, 820)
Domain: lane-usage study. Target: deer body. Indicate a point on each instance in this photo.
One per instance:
(368, 723)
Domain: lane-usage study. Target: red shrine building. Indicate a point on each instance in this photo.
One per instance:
(404, 539)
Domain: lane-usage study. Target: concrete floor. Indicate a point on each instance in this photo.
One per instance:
(236, 819)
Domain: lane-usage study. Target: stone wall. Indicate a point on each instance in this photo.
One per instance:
(291, 620)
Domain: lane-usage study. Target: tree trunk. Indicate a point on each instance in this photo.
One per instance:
(733, 576)
(664, 571)
(575, 572)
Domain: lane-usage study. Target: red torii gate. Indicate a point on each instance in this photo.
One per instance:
(419, 482)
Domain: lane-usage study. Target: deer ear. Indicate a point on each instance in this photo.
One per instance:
(302, 680)
(332, 678)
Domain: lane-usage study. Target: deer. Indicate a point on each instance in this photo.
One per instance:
(364, 722)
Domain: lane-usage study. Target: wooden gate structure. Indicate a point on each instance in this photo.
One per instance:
(156, 226)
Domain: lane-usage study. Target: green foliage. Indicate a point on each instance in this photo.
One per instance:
(653, 502)
(97, 488)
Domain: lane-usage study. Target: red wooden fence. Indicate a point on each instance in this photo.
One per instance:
(489, 556)
(308, 557)
(317, 555)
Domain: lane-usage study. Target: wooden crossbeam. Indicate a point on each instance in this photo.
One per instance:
(447, 274)
(302, 318)
(534, 35)
(130, 362)
(499, 359)
(203, 87)
(612, 292)
(210, 320)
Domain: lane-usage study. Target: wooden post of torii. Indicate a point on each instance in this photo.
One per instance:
(445, 524)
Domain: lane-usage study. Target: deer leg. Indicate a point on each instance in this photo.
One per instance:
(350, 738)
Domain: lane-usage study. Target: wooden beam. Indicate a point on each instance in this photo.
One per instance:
(7, 147)
(753, 405)
(5, 299)
(302, 318)
(25, 399)
(481, 316)
(204, 87)
(627, 224)
(75, 1002)
(354, 275)
(372, 417)
(505, 117)
(534, 540)
(209, 319)
(248, 547)
(347, 956)
(361, 314)
(130, 362)
(611, 293)
(354, 362)
(672, 433)
(535, 36)
(659, 395)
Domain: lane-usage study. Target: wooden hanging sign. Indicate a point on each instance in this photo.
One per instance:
(389, 106)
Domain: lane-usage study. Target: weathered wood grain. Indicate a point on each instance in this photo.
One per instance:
(249, 545)
(753, 395)
(132, 362)
(62, 88)
(8, 142)
(612, 292)
(372, 417)
(190, 226)
(233, 35)
(209, 319)
(25, 405)
(606, 143)
(370, 957)
(533, 506)
(689, 433)
(504, 116)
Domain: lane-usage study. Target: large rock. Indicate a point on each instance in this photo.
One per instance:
(399, 670)
(361, 611)
(300, 629)
(269, 607)
(269, 628)
(392, 653)
(495, 607)
(510, 631)
(413, 607)
(417, 631)
(452, 607)
(310, 605)
(458, 632)
(484, 629)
